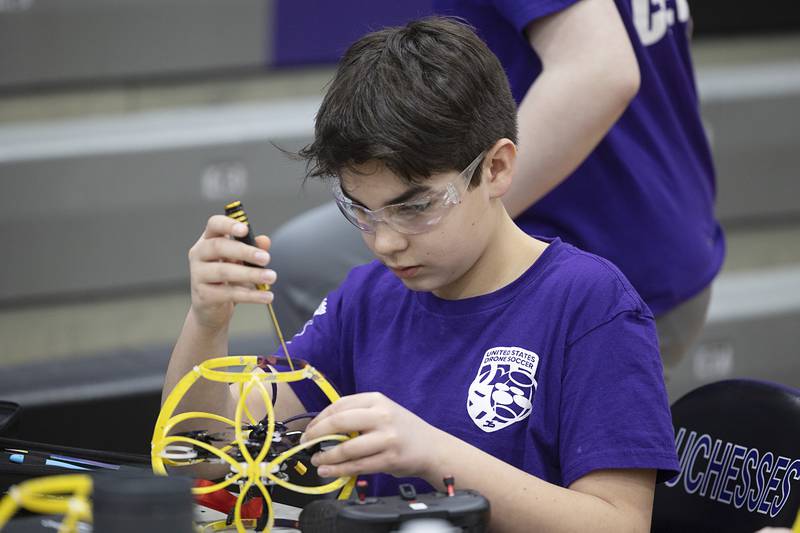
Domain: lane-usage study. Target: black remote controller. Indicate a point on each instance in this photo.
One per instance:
(465, 510)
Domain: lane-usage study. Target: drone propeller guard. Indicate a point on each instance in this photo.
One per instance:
(253, 471)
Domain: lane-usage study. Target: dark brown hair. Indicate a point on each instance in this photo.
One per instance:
(423, 98)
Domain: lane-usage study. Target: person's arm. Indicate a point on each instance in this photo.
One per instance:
(395, 441)
(603, 500)
(589, 75)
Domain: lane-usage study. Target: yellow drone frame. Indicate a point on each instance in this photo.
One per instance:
(256, 472)
(66, 495)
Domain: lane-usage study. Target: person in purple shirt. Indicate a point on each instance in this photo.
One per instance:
(613, 156)
(524, 367)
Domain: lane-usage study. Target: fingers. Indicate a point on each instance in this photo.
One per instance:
(364, 465)
(349, 421)
(225, 271)
(360, 401)
(350, 450)
(389, 438)
(221, 226)
(363, 454)
(215, 257)
(220, 247)
(219, 272)
(222, 294)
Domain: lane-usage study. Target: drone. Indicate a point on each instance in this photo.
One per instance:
(282, 440)
(260, 452)
(260, 455)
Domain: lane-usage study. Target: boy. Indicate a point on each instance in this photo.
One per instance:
(529, 370)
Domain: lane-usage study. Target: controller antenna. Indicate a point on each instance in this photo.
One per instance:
(450, 483)
(361, 489)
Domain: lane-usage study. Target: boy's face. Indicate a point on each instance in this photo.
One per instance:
(440, 259)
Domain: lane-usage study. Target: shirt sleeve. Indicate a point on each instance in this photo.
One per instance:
(319, 343)
(520, 13)
(614, 410)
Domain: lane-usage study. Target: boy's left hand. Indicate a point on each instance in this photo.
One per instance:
(392, 439)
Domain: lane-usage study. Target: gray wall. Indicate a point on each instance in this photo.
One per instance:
(57, 41)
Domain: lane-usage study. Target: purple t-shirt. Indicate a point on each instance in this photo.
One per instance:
(644, 198)
(557, 373)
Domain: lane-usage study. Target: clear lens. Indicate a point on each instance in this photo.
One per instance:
(358, 218)
(416, 216)
(409, 218)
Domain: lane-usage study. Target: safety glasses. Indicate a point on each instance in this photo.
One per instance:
(415, 216)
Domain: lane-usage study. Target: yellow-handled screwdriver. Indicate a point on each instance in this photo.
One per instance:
(235, 210)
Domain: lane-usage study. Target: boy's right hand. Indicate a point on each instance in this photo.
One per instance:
(219, 279)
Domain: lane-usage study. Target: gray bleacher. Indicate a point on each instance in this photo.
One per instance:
(752, 111)
(126, 191)
(52, 42)
(115, 202)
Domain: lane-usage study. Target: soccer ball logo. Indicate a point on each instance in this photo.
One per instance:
(502, 392)
(508, 399)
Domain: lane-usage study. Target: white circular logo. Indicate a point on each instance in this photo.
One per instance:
(502, 391)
